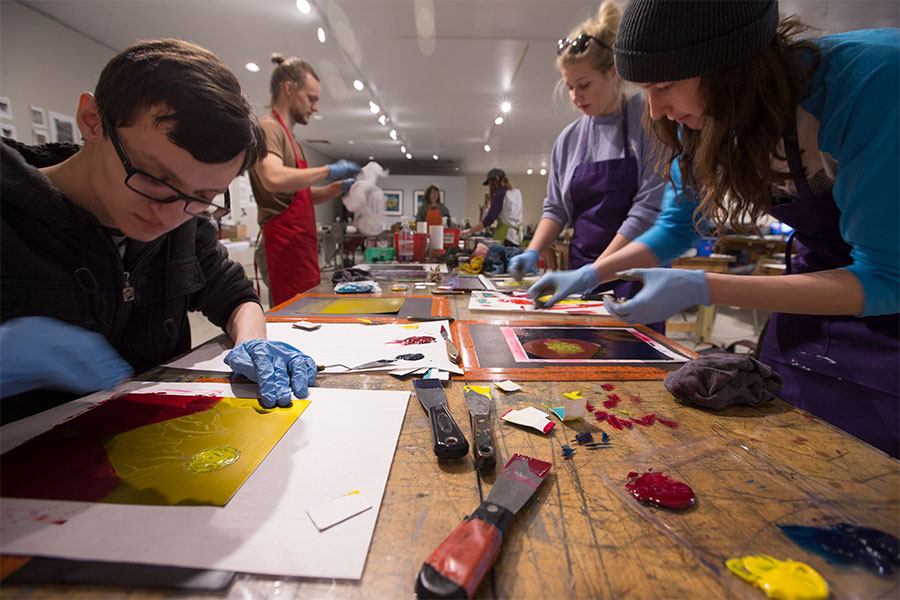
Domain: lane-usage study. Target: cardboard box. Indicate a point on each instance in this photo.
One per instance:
(232, 232)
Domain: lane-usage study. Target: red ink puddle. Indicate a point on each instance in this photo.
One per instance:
(646, 420)
(601, 415)
(656, 488)
(416, 339)
(611, 403)
(538, 467)
(636, 399)
(608, 387)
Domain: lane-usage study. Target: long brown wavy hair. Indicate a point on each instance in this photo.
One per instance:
(728, 163)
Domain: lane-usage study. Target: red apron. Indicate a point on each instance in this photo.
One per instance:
(291, 245)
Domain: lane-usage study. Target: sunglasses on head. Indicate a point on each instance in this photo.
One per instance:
(578, 45)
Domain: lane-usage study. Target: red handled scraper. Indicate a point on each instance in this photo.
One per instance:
(455, 569)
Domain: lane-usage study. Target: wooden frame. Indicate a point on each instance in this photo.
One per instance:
(440, 307)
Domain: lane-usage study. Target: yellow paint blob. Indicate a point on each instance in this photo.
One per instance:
(484, 390)
(573, 395)
(212, 459)
(780, 579)
(563, 348)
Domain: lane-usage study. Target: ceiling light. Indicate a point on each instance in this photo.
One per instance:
(318, 117)
(371, 158)
(498, 121)
(529, 171)
(393, 134)
(403, 149)
(506, 106)
(351, 142)
(358, 85)
(374, 108)
(252, 67)
(303, 6)
(434, 156)
(382, 119)
(543, 171)
(487, 148)
(321, 33)
(408, 155)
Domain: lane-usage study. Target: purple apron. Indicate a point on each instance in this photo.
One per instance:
(602, 194)
(843, 369)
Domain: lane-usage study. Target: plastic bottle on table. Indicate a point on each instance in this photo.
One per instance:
(406, 244)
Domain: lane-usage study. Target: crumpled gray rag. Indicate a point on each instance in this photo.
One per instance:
(719, 380)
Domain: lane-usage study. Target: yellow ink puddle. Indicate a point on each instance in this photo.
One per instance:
(780, 579)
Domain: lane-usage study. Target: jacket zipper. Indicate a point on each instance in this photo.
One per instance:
(127, 289)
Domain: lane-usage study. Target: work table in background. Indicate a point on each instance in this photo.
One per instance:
(752, 469)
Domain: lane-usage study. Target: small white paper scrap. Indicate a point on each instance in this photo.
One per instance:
(508, 386)
(437, 374)
(307, 325)
(340, 509)
(529, 417)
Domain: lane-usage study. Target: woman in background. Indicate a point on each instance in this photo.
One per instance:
(433, 210)
(505, 209)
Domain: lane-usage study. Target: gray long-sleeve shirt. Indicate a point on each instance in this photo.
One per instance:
(605, 143)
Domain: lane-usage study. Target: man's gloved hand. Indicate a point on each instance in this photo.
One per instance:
(277, 368)
(40, 352)
(346, 184)
(342, 168)
(524, 263)
(665, 293)
(564, 283)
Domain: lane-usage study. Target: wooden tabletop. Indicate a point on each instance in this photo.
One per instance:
(751, 468)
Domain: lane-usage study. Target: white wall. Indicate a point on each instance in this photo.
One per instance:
(454, 188)
(533, 188)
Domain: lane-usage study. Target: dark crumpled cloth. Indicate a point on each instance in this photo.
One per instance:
(720, 380)
(498, 257)
(351, 274)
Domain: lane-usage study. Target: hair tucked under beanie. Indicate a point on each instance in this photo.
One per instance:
(670, 40)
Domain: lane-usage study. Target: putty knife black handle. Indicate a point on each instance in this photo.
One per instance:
(483, 444)
(449, 442)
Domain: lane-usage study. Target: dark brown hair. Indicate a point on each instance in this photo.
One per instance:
(428, 194)
(191, 89)
(291, 69)
(728, 163)
(498, 183)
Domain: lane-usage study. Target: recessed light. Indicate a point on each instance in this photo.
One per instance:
(318, 117)
(498, 121)
(434, 156)
(529, 171)
(543, 171)
(382, 119)
(487, 148)
(374, 108)
(351, 142)
(371, 158)
(403, 149)
(358, 85)
(252, 67)
(408, 155)
(321, 33)
(393, 134)
(303, 6)
(506, 106)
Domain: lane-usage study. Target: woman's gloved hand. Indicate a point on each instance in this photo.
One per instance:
(342, 168)
(346, 184)
(522, 264)
(666, 292)
(40, 352)
(564, 283)
(277, 367)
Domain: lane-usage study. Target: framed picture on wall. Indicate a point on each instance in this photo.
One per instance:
(40, 136)
(8, 130)
(418, 200)
(63, 129)
(393, 202)
(5, 108)
(38, 116)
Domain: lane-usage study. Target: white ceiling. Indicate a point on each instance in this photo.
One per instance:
(484, 52)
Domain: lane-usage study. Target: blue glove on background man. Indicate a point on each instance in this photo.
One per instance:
(346, 184)
(342, 168)
(564, 283)
(666, 292)
(520, 264)
(40, 352)
(277, 368)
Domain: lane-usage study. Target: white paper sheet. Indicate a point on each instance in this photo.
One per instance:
(263, 528)
(349, 344)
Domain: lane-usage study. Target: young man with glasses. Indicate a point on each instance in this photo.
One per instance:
(105, 247)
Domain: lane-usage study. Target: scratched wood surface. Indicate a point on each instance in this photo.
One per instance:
(575, 538)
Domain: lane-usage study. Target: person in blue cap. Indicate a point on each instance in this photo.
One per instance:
(759, 120)
(107, 245)
(602, 179)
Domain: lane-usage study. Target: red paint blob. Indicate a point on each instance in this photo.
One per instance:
(656, 488)
(618, 423)
(601, 415)
(589, 407)
(608, 386)
(611, 403)
(416, 339)
(636, 399)
(668, 423)
(538, 467)
(646, 420)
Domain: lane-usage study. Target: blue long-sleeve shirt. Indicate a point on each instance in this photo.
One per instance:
(848, 129)
(602, 137)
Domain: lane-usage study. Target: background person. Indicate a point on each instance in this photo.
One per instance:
(505, 209)
(433, 211)
(602, 180)
(105, 247)
(288, 255)
(798, 129)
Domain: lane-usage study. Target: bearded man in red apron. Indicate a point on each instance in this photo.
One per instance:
(282, 185)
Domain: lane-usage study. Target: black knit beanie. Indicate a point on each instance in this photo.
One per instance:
(670, 40)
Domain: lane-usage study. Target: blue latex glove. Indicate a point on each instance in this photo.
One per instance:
(277, 368)
(520, 264)
(564, 283)
(665, 293)
(40, 352)
(346, 184)
(342, 168)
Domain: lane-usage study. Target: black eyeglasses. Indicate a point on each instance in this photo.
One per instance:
(578, 45)
(158, 190)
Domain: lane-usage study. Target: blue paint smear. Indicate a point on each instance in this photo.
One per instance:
(872, 549)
